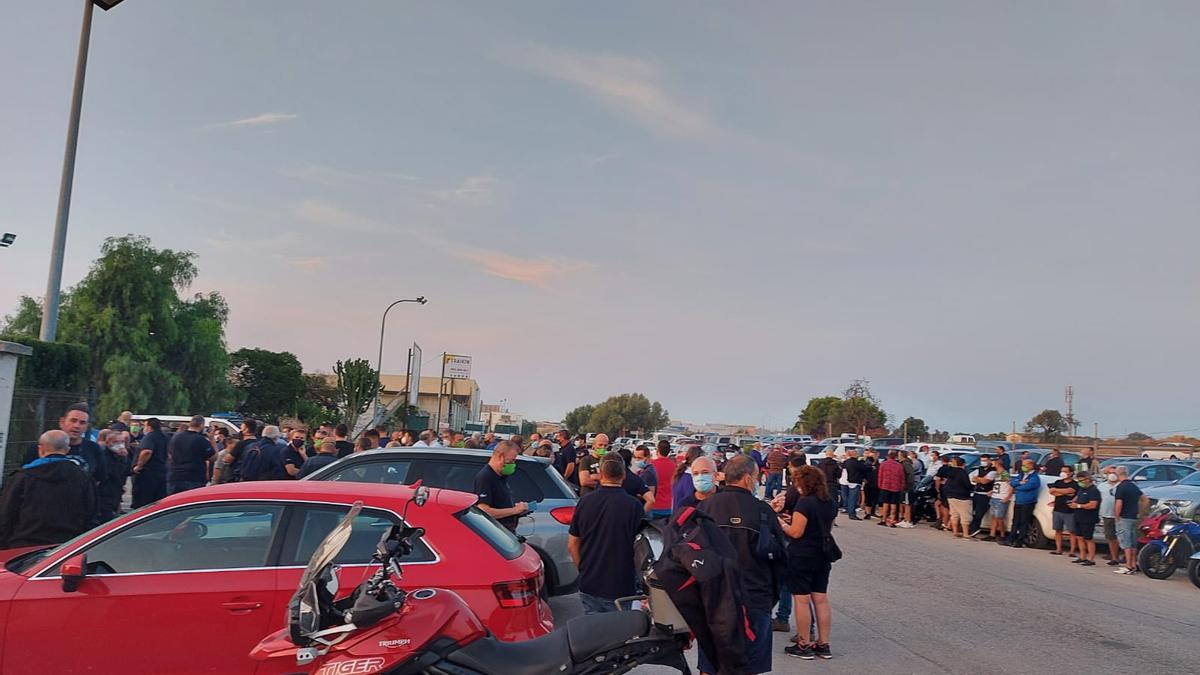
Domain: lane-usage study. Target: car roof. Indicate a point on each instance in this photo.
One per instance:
(335, 491)
(448, 452)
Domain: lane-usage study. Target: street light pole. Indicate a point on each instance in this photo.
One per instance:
(420, 300)
(58, 248)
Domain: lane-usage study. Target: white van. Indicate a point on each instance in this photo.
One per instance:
(963, 438)
(171, 421)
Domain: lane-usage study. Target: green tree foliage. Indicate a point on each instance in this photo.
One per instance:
(357, 384)
(816, 415)
(577, 420)
(618, 415)
(853, 415)
(150, 349)
(1139, 437)
(1049, 423)
(914, 426)
(26, 322)
(58, 366)
(269, 383)
(320, 401)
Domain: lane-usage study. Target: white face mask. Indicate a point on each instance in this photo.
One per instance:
(1064, 475)
(1112, 477)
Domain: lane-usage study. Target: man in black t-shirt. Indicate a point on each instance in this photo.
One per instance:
(565, 459)
(600, 540)
(150, 466)
(189, 452)
(491, 486)
(1086, 504)
(956, 488)
(233, 458)
(293, 455)
(326, 454)
(1063, 491)
(1128, 497)
(341, 441)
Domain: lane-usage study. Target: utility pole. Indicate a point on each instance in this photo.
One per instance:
(906, 432)
(1071, 409)
(1096, 438)
(437, 423)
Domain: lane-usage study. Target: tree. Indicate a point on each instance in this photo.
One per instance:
(150, 349)
(270, 383)
(623, 413)
(915, 427)
(1139, 437)
(856, 414)
(577, 420)
(320, 401)
(357, 384)
(815, 416)
(860, 388)
(26, 321)
(1049, 423)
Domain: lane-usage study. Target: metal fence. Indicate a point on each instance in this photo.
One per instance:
(33, 412)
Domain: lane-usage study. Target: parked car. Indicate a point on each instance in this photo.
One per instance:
(1157, 474)
(885, 444)
(1183, 495)
(174, 420)
(535, 481)
(1170, 450)
(215, 568)
(966, 439)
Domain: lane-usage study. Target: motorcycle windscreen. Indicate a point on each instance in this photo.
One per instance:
(304, 607)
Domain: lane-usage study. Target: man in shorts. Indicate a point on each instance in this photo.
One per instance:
(1128, 500)
(1107, 516)
(1086, 504)
(1002, 494)
(1063, 490)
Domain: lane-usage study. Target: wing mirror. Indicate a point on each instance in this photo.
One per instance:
(73, 570)
(421, 496)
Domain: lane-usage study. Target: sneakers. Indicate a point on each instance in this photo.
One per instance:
(1078, 561)
(1086, 563)
(988, 538)
(822, 651)
(1124, 570)
(801, 652)
(880, 523)
(1113, 563)
(905, 524)
(976, 533)
(780, 626)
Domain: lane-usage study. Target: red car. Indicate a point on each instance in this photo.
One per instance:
(192, 583)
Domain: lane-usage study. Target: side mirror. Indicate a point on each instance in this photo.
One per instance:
(73, 570)
(421, 496)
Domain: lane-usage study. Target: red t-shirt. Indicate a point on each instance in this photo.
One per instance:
(664, 470)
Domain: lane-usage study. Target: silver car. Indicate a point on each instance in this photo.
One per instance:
(535, 481)
(1184, 495)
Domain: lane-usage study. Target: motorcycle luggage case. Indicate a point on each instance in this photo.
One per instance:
(662, 609)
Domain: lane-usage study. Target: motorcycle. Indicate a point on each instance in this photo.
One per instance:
(1151, 527)
(923, 504)
(1194, 569)
(1159, 558)
(381, 628)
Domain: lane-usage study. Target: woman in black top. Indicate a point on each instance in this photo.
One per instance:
(806, 525)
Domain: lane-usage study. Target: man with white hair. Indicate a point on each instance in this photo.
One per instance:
(704, 480)
(49, 500)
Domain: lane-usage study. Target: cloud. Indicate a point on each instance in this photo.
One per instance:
(628, 86)
(309, 264)
(335, 177)
(260, 120)
(473, 191)
(536, 272)
(324, 213)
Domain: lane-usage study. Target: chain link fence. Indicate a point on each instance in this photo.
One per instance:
(33, 412)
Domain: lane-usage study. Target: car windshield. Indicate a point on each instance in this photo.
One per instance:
(1191, 479)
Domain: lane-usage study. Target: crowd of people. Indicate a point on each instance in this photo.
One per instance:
(766, 517)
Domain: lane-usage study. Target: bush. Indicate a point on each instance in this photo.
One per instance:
(58, 366)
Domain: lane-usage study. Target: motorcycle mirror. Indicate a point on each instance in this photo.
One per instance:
(73, 570)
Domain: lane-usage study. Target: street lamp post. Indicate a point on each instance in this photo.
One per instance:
(58, 249)
(379, 361)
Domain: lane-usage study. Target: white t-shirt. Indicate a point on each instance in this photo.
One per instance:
(1108, 500)
(933, 467)
(1002, 490)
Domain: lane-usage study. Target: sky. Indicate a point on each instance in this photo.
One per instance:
(730, 208)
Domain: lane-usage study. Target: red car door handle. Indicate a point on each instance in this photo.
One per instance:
(243, 606)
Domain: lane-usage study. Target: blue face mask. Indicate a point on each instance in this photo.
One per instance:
(703, 482)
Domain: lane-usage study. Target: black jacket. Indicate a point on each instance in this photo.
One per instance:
(89, 451)
(48, 503)
(831, 469)
(856, 470)
(741, 517)
(698, 570)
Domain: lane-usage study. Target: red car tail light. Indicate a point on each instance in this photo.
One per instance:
(519, 593)
(563, 514)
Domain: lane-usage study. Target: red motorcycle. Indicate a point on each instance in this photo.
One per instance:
(380, 628)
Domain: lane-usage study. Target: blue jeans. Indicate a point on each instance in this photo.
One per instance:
(758, 651)
(850, 498)
(596, 605)
(783, 612)
(774, 484)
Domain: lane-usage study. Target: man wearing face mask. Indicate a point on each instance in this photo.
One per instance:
(189, 453)
(981, 493)
(294, 455)
(589, 476)
(116, 470)
(491, 486)
(1026, 485)
(704, 480)
(1086, 504)
(1063, 490)
(1108, 501)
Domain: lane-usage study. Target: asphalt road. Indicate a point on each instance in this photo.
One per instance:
(919, 601)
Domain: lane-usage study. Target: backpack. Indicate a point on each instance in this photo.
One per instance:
(261, 461)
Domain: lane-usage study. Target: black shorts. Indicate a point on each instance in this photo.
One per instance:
(807, 575)
(889, 497)
(1085, 529)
